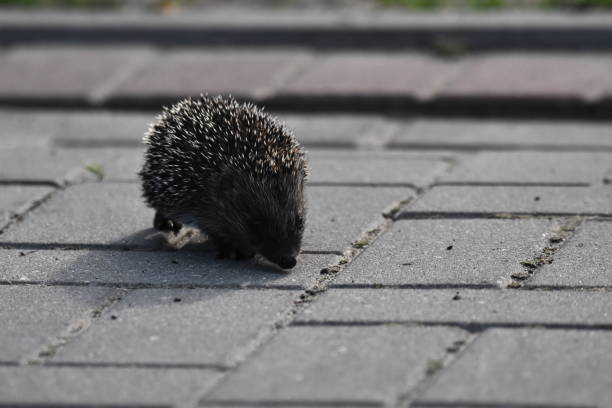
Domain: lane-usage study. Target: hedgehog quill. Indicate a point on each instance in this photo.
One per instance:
(231, 170)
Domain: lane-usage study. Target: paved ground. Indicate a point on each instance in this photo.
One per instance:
(447, 262)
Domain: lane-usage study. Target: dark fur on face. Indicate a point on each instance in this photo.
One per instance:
(244, 215)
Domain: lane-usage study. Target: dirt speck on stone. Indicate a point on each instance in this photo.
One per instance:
(448, 248)
(433, 366)
(457, 296)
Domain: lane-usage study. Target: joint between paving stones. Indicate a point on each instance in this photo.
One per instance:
(19, 214)
(555, 240)
(468, 326)
(435, 367)
(73, 330)
(310, 294)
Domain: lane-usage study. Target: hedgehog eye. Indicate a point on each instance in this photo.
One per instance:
(299, 222)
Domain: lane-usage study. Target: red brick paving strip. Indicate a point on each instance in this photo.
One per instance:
(377, 74)
(246, 74)
(66, 72)
(541, 76)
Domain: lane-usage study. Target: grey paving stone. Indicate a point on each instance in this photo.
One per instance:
(24, 128)
(375, 168)
(416, 252)
(334, 130)
(51, 72)
(496, 199)
(544, 76)
(126, 129)
(39, 165)
(101, 129)
(340, 364)
(89, 214)
(178, 326)
(153, 268)
(373, 74)
(584, 260)
(531, 167)
(86, 386)
(523, 367)
(183, 73)
(495, 134)
(120, 129)
(327, 166)
(338, 215)
(36, 129)
(107, 213)
(464, 305)
(608, 177)
(13, 199)
(116, 164)
(32, 315)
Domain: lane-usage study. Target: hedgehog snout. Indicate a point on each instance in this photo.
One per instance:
(284, 259)
(287, 261)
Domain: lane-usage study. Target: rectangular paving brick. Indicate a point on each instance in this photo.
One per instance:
(33, 315)
(375, 168)
(340, 365)
(89, 214)
(42, 165)
(337, 130)
(101, 129)
(408, 75)
(526, 368)
(14, 199)
(181, 326)
(608, 177)
(93, 386)
(338, 215)
(504, 199)
(187, 267)
(184, 73)
(115, 164)
(520, 75)
(68, 72)
(584, 260)
(496, 134)
(462, 305)
(448, 252)
(531, 167)
(326, 166)
(115, 214)
(26, 128)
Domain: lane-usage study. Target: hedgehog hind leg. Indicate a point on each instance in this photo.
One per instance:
(165, 224)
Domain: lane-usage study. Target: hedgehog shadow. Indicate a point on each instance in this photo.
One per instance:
(146, 260)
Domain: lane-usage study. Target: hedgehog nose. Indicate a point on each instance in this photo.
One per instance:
(287, 262)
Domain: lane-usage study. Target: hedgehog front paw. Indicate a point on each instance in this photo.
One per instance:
(164, 224)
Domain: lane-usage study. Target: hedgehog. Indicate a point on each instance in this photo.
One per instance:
(230, 170)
